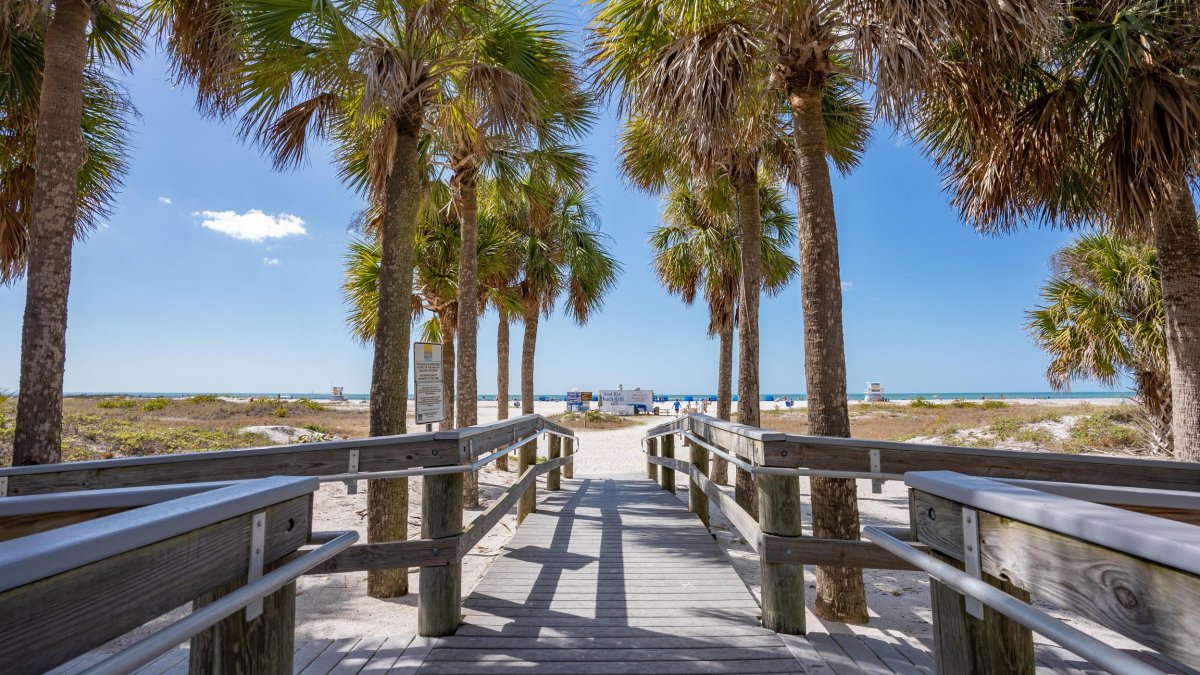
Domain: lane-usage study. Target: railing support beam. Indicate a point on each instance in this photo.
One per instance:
(651, 451)
(568, 470)
(782, 583)
(235, 645)
(439, 608)
(528, 502)
(667, 476)
(697, 500)
(962, 643)
(554, 478)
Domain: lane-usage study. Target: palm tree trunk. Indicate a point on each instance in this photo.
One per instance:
(446, 323)
(387, 499)
(502, 340)
(1177, 238)
(750, 224)
(466, 203)
(58, 157)
(840, 595)
(719, 469)
(528, 350)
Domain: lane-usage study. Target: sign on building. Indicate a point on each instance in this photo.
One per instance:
(427, 381)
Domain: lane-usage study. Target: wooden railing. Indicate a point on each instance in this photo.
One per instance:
(68, 589)
(1136, 574)
(65, 500)
(776, 460)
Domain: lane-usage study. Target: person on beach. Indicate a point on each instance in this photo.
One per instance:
(677, 408)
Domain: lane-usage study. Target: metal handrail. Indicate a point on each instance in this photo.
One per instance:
(1086, 646)
(150, 648)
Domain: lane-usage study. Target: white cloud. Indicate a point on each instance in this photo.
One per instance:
(164, 200)
(847, 285)
(253, 225)
(273, 262)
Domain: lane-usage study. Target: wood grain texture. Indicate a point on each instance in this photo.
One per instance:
(697, 499)
(651, 451)
(392, 555)
(666, 475)
(779, 513)
(53, 620)
(994, 645)
(438, 607)
(554, 477)
(838, 552)
(1149, 603)
(568, 451)
(742, 522)
(526, 457)
(235, 645)
(12, 527)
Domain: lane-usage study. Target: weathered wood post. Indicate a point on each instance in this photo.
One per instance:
(782, 583)
(667, 476)
(439, 608)
(697, 500)
(528, 502)
(553, 479)
(962, 642)
(264, 644)
(568, 470)
(652, 451)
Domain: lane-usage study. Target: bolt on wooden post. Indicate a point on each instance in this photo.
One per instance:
(782, 583)
(667, 476)
(553, 479)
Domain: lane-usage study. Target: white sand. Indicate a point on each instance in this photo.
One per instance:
(332, 606)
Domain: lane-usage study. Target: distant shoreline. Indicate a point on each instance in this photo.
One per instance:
(932, 397)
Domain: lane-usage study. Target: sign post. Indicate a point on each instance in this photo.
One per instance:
(428, 385)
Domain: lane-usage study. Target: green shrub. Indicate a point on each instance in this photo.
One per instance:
(117, 403)
(156, 404)
(281, 411)
(1035, 435)
(317, 428)
(959, 403)
(309, 404)
(1005, 428)
(919, 402)
(992, 404)
(203, 398)
(1104, 431)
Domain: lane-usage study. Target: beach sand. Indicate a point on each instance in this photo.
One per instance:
(333, 606)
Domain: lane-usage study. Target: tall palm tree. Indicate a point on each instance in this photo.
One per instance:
(55, 182)
(696, 65)
(1103, 320)
(527, 73)
(697, 251)
(371, 75)
(563, 253)
(1100, 125)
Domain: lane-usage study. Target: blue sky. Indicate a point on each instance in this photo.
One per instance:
(160, 302)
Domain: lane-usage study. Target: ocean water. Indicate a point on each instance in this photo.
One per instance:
(892, 396)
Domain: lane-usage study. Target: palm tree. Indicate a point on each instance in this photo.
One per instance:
(54, 181)
(697, 251)
(1100, 125)
(562, 252)
(522, 74)
(369, 74)
(1103, 320)
(695, 66)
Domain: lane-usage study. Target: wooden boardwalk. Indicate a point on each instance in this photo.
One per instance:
(611, 576)
(615, 577)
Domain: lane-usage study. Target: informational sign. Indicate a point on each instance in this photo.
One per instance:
(578, 400)
(427, 378)
(639, 399)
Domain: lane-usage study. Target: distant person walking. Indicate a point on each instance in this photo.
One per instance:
(677, 408)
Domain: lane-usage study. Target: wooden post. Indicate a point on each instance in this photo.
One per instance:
(667, 476)
(697, 500)
(553, 479)
(962, 643)
(439, 609)
(651, 451)
(782, 583)
(568, 470)
(235, 645)
(528, 502)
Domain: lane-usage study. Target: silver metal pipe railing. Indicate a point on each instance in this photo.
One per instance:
(1098, 653)
(150, 648)
(783, 471)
